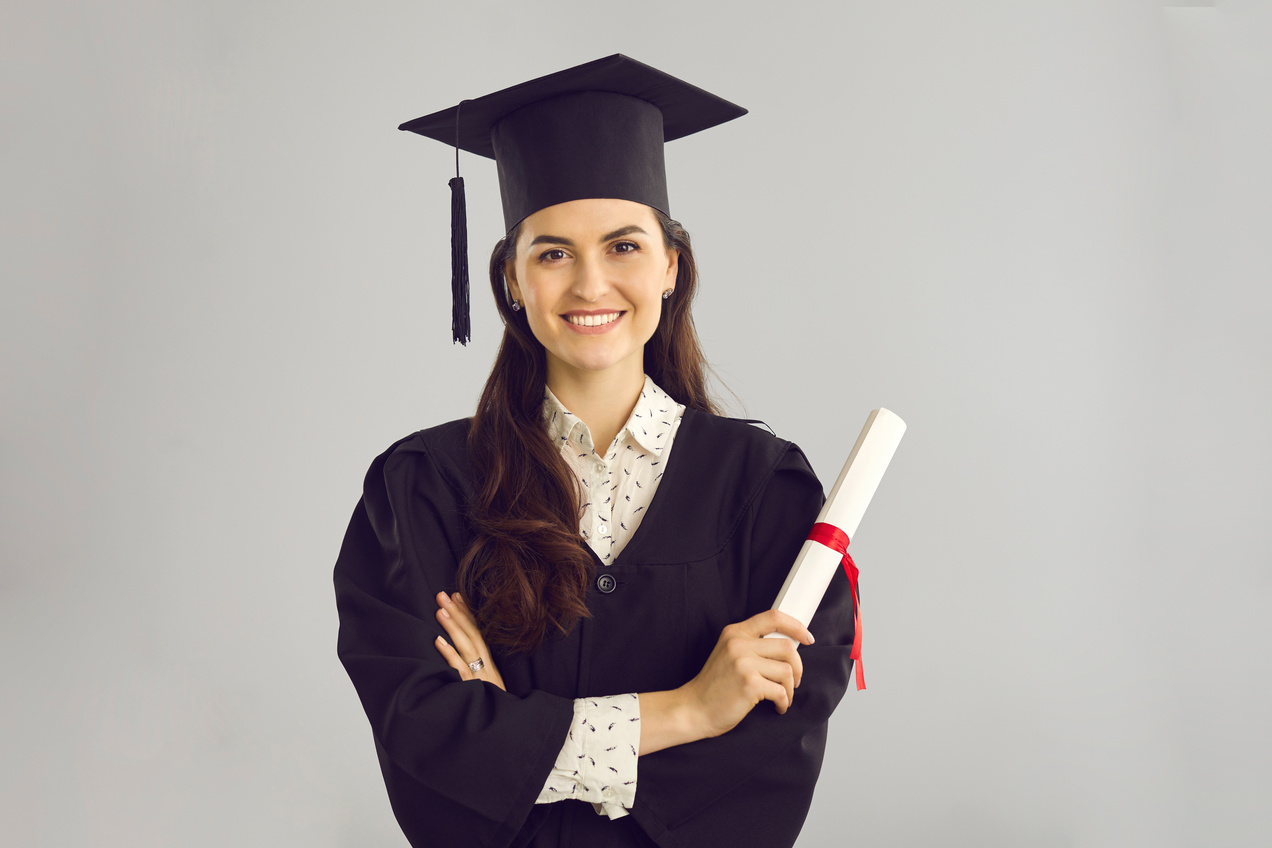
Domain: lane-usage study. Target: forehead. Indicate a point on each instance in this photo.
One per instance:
(582, 221)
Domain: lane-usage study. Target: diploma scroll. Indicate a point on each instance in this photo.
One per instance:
(817, 563)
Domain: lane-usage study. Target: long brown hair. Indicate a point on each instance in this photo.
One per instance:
(527, 571)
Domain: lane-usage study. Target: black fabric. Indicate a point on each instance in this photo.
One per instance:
(464, 761)
(589, 144)
(553, 147)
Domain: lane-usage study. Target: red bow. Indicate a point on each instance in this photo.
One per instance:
(837, 540)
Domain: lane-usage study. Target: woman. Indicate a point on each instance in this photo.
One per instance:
(555, 612)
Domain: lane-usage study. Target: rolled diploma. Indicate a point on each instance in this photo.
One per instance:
(816, 564)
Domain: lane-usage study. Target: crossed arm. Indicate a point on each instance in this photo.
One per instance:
(743, 669)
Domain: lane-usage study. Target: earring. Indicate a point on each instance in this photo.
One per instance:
(516, 306)
(667, 293)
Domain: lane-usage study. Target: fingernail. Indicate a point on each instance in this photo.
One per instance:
(445, 613)
(811, 638)
(440, 640)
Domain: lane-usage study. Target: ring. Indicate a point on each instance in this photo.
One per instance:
(476, 665)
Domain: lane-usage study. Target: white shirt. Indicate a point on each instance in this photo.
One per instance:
(597, 763)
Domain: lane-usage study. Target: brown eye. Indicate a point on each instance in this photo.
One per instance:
(553, 255)
(626, 247)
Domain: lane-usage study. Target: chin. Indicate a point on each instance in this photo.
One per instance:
(593, 365)
(596, 361)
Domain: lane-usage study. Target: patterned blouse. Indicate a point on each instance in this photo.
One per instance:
(598, 761)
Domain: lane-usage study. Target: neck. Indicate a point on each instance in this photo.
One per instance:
(601, 400)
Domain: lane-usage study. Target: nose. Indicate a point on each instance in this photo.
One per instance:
(590, 282)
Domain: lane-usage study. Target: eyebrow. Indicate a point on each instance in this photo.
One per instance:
(619, 233)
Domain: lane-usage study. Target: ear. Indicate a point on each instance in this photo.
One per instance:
(510, 279)
(673, 265)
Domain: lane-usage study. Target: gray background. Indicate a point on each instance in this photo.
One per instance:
(1037, 231)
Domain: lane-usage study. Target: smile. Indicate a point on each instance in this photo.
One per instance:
(593, 320)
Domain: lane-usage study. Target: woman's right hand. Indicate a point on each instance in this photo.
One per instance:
(465, 641)
(744, 668)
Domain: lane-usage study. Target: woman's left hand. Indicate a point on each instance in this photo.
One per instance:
(466, 644)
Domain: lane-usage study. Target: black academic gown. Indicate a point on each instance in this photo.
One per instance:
(464, 761)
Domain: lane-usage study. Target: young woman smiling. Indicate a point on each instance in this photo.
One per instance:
(555, 612)
(591, 276)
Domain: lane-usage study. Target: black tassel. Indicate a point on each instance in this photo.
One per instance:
(461, 330)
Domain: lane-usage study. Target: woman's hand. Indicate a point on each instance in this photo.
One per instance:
(465, 637)
(744, 668)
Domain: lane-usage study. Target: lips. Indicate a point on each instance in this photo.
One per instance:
(592, 320)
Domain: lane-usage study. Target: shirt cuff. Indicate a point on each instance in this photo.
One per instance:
(597, 763)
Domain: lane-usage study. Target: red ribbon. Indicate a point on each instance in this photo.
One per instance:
(837, 540)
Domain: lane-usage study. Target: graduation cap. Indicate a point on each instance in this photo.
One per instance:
(595, 130)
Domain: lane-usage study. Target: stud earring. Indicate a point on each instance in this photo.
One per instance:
(516, 306)
(667, 293)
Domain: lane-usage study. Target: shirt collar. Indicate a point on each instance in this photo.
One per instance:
(648, 425)
(652, 417)
(561, 422)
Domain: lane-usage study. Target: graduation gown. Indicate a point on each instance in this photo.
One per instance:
(464, 761)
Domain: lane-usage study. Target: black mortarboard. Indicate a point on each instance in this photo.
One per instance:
(595, 130)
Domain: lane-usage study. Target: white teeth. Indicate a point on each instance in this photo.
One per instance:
(593, 320)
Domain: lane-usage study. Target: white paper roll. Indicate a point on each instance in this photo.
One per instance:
(816, 564)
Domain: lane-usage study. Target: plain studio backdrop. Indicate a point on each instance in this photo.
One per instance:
(1038, 231)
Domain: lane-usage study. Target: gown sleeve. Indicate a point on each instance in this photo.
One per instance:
(753, 785)
(462, 760)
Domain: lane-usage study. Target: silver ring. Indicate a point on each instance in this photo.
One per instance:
(476, 665)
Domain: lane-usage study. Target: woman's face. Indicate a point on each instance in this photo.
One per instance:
(590, 275)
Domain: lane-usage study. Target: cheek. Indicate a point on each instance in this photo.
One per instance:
(538, 301)
(538, 287)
